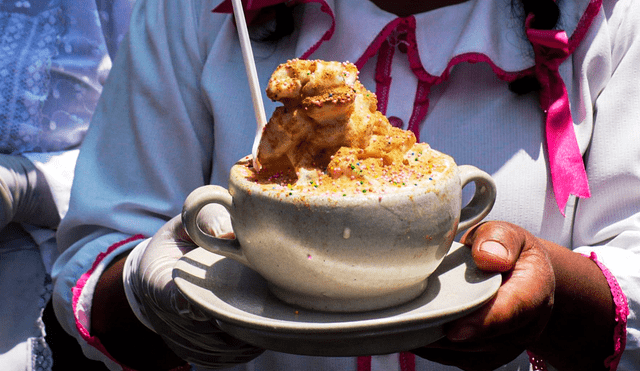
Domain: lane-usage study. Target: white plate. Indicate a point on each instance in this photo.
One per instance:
(240, 300)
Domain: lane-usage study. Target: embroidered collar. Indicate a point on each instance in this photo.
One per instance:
(251, 7)
(505, 46)
(322, 23)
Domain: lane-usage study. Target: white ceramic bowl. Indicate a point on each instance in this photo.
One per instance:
(342, 253)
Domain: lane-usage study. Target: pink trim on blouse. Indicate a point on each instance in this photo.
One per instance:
(537, 363)
(364, 363)
(407, 26)
(576, 38)
(622, 312)
(77, 291)
(551, 48)
(407, 362)
(328, 34)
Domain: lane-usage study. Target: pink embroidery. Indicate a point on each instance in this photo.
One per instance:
(537, 363)
(399, 32)
(622, 312)
(407, 361)
(377, 42)
(328, 34)
(567, 170)
(420, 107)
(383, 75)
(551, 48)
(583, 25)
(364, 363)
(77, 291)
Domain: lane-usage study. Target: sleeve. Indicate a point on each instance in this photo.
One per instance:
(608, 223)
(57, 168)
(149, 145)
(76, 72)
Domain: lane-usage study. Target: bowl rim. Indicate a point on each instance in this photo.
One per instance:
(424, 188)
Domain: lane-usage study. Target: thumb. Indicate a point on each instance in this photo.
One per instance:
(180, 305)
(495, 246)
(155, 266)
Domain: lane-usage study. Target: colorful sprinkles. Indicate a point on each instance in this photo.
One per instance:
(421, 168)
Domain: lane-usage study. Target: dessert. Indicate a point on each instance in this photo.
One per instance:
(329, 137)
(346, 213)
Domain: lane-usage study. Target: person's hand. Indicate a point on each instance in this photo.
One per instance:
(190, 333)
(503, 328)
(24, 194)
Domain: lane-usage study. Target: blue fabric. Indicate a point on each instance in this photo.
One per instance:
(54, 55)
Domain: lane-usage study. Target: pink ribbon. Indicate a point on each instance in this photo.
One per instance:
(568, 175)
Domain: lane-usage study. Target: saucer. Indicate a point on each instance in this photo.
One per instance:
(240, 300)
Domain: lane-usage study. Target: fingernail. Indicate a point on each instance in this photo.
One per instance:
(495, 248)
(462, 333)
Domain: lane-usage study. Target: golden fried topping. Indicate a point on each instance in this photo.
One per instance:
(326, 112)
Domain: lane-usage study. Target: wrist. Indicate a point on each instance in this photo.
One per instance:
(126, 339)
(621, 314)
(579, 332)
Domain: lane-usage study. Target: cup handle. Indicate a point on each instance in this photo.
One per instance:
(199, 198)
(483, 199)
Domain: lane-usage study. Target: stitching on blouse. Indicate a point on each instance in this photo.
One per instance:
(407, 361)
(622, 312)
(364, 363)
(328, 34)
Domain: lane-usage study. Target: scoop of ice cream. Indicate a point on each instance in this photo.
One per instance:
(326, 114)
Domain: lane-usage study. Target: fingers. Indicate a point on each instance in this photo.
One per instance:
(496, 246)
(214, 219)
(228, 236)
(511, 317)
(520, 309)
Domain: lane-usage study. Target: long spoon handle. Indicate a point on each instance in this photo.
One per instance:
(252, 76)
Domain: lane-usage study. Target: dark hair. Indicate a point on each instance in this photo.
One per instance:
(276, 22)
(546, 14)
(273, 23)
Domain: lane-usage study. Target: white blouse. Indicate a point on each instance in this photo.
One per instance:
(183, 116)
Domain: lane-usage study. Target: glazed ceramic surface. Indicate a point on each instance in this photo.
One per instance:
(240, 300)
(337, 253)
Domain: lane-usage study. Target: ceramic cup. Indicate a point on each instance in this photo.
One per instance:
(342, 254)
